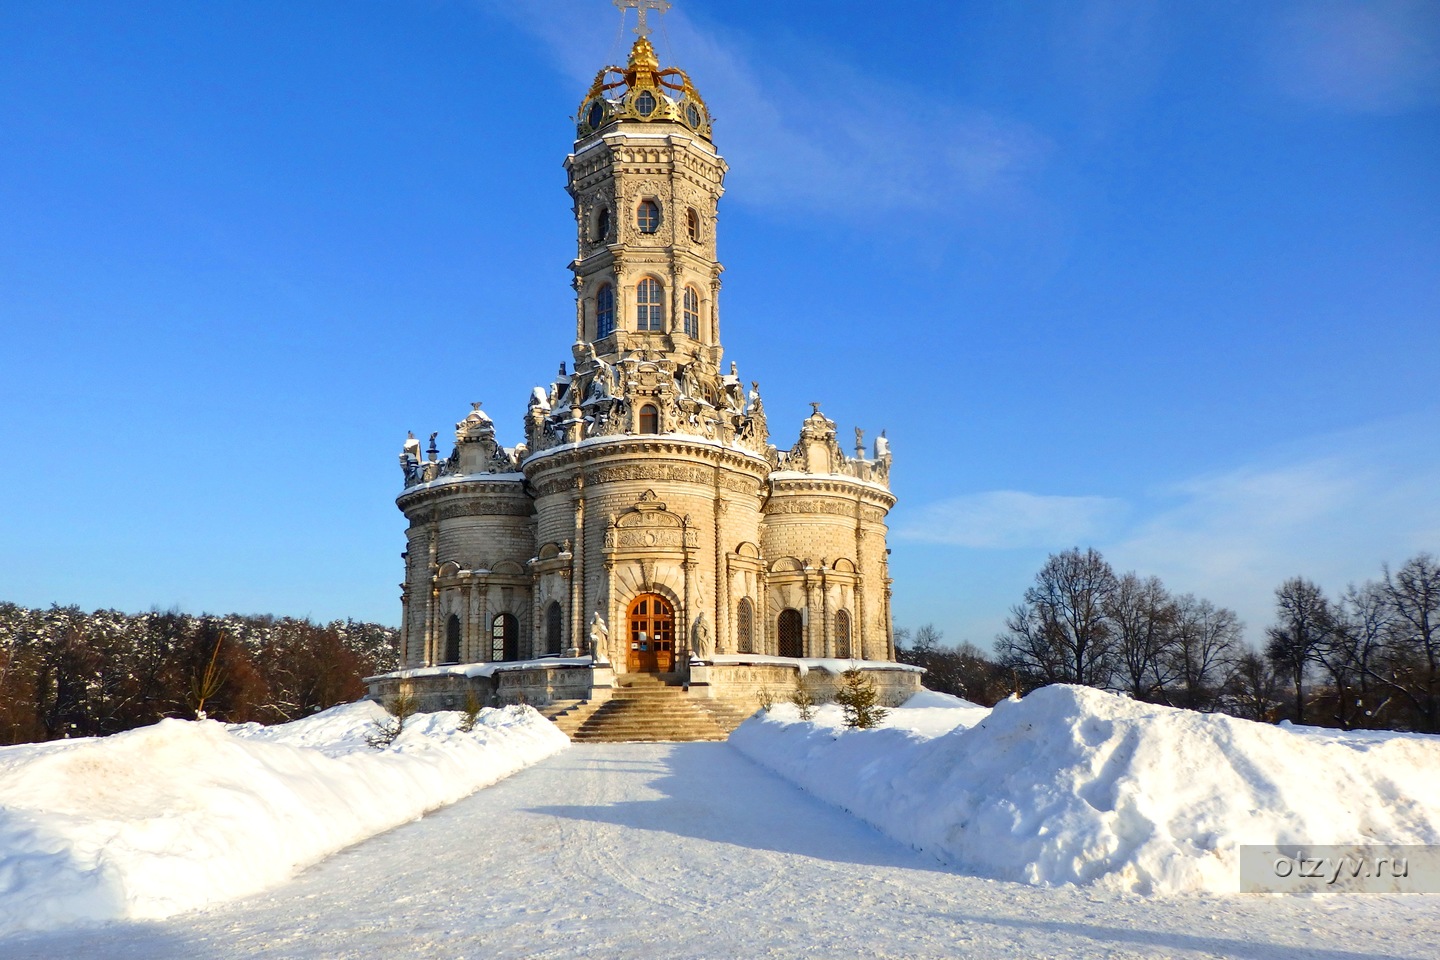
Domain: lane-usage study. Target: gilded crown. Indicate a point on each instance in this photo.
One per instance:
(641, 91)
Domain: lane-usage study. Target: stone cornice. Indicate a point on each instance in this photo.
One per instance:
(659, 448)
(830, 485)
(511, 487)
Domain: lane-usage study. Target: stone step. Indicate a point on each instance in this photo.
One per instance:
(669, 714)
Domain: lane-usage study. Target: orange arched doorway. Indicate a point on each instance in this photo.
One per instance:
(652, 635)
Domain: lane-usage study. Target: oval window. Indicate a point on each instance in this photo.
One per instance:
(645, 103)
(596, 114)
(647, 217)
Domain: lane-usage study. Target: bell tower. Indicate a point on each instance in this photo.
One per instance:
(646, 183)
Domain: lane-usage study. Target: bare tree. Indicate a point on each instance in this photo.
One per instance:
(1304, 622)
(1412, 655)
(1144, 618)
(1254, 688)
(1208, 644)
(1062, 633)
(1353, 653)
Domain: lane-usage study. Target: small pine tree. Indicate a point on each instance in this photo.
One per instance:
(803, 698)
(471, 712)
(402, 708)
(766, 698)
(860, 700)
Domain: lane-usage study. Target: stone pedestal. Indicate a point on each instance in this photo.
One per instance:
(700, 679)
(602, 683)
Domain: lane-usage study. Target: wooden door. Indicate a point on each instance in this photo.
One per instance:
(652, 635)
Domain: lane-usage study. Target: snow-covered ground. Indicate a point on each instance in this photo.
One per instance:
(677, 851)
(183, 814)
(691, 850)
(1074, 785)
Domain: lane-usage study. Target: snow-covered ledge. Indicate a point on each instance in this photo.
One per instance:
(537, 682)
(746, 680)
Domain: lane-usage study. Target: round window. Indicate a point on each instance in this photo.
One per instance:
(645, 103)
(596, 115)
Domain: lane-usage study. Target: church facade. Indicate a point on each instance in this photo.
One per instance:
(646, 523)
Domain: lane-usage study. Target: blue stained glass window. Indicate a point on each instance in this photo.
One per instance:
(692, 312)
(649, 305)
(604, 312)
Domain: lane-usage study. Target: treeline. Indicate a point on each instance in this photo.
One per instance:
(67, 673)
(1367, 659)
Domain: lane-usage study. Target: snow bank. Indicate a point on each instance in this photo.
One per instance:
(1074, 785)
(182, 814)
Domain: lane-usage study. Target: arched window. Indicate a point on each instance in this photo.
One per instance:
(602, 225)
(692, 312)
(452, 640)
(692, 225)
(552, 628)
(647, 216)
(604, 311)
(842, 634)
(649, 419)
(791, 633)
(649, 305)
(505, 637)
(745, 626)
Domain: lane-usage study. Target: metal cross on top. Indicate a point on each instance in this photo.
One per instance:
(643, 7)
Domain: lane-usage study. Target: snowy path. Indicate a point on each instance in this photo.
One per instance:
(690, 850)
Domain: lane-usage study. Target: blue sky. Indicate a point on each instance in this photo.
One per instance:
(1162, 279)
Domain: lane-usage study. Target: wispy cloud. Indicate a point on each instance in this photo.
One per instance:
(1011, 519)
(1334, 510)
(817, 135)
(1358, 56)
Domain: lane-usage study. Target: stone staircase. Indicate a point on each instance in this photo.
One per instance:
(646, 707)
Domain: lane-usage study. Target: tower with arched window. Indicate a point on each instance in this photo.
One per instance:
(645, 522)
(646, 182)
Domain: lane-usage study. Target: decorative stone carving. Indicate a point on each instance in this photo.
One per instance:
(489, 507)
(814, 505)
(582, 458)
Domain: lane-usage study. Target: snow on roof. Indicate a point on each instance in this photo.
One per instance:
(471, 670)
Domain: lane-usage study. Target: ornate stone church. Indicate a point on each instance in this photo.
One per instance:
(646, 523)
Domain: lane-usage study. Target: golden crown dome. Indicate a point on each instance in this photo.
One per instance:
(643, 92)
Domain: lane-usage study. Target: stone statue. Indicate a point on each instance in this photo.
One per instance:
(410, 459)
(702, 646)
(599, 639)
(882, 446)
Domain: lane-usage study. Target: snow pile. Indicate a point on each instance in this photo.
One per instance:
(182, 814)
(1074, 785)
